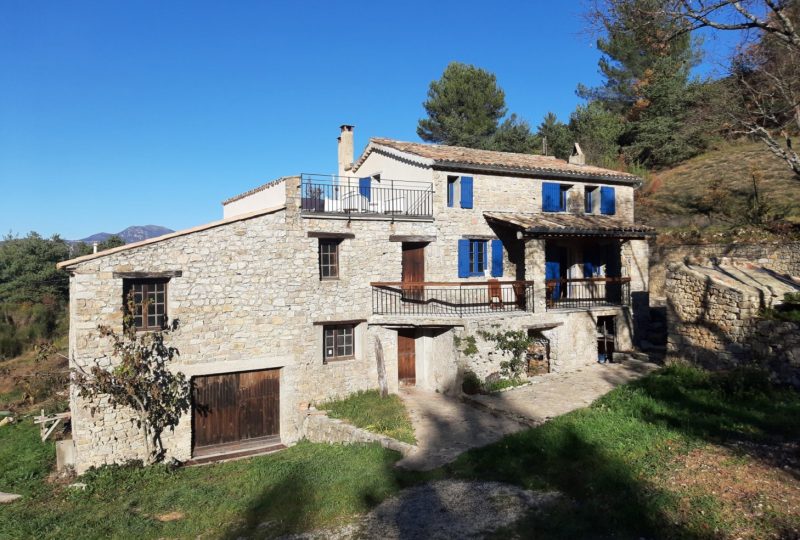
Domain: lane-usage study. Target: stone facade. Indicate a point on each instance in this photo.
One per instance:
(714, 322)
(248, 295)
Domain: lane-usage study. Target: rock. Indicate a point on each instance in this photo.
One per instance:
(6, 498)
(78, 485)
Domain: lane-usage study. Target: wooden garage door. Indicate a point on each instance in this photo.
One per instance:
(235, 407)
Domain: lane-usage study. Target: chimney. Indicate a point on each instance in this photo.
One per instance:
(94, 247)
(577, 157)
(345, 149)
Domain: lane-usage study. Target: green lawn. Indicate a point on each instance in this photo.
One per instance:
(369, 411)
(658, 458)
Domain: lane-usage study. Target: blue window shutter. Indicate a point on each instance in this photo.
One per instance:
(463, 258)
(364, 187)
(551, 197)
(497, 258)
(466, 192)
(608, 201)
(589, 259)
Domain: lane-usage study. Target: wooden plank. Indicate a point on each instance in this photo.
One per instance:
(411, 238)
(148, 275)
(321, 234)
(339, 322)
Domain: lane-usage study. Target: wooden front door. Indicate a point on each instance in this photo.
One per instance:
(234, 407)
(406, 357)
(413, 269)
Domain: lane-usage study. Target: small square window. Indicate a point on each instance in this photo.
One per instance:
(329, 258)
(149, 302)
(338, 342)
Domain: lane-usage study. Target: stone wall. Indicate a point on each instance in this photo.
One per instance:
(783, 258)
(319, 428)
(716, 325)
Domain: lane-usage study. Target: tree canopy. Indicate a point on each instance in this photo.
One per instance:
(28, 268)
(466, 107)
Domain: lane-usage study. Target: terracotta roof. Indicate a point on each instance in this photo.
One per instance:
(255, 190)
(442, 155)
(569, 224)
(184, 232)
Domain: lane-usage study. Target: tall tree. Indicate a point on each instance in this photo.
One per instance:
(28, 269)
(555, 137)
(765, 98)
(646, 79)
(598, 130)
(465, 107)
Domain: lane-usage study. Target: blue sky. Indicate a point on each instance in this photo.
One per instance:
(132, 113)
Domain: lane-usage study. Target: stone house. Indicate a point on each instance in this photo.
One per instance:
(410, 249)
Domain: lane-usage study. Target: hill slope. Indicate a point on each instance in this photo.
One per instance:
(134, 233)
(707, 197)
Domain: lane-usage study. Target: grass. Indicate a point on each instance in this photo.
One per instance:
(679, 454)
(367, 410)
(304, 487)
(501, 384)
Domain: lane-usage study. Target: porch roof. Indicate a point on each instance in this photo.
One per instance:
(544, 225)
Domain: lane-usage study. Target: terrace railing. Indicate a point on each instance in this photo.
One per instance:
(330, 194)
(588, 292)
(451, 298)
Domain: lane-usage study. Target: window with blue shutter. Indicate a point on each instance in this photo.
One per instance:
(365, 187)
(554, 197)
(497, 258)
(463, 258)
(466, 192)
(608, 201)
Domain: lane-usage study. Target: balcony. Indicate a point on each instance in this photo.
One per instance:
(451, 298)
(588, 292)
(345, 195)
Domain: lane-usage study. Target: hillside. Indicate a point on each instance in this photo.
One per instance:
(707, 198)
(134, 233)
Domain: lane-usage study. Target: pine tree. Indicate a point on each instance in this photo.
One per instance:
(465, 107)
(556, 135)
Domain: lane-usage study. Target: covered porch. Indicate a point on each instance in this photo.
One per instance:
(575, 261)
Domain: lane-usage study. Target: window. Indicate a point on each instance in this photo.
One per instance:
(592, 198)
(477, 256)
(149, 302)
(338, 342)
(329, 258)
(451, 191)
(554, 197)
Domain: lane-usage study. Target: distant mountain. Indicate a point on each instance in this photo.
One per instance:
(136, 233)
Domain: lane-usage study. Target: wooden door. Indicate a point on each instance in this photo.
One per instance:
(406, 357)
(234, 407)
(413, 269)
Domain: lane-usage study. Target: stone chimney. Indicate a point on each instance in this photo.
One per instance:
(577, 157)
(345, 149)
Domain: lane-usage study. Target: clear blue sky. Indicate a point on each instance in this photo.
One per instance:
(120, 113)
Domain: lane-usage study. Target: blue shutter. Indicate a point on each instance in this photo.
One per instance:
(463, 258)
(466, 192)
(608, 201)
(364, 187)
(497, 258)
(451, 193)
(551, 197)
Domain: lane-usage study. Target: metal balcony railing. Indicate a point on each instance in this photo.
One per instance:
(331, 194)
(451, 298)
(588, 292)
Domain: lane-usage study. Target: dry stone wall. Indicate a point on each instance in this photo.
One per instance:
(318, 427)
(716, 325)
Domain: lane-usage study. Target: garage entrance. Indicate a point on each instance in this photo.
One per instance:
(231, 411)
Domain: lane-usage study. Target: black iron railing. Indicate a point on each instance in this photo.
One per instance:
(351, 195)
(588, 292)
(451, 299)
